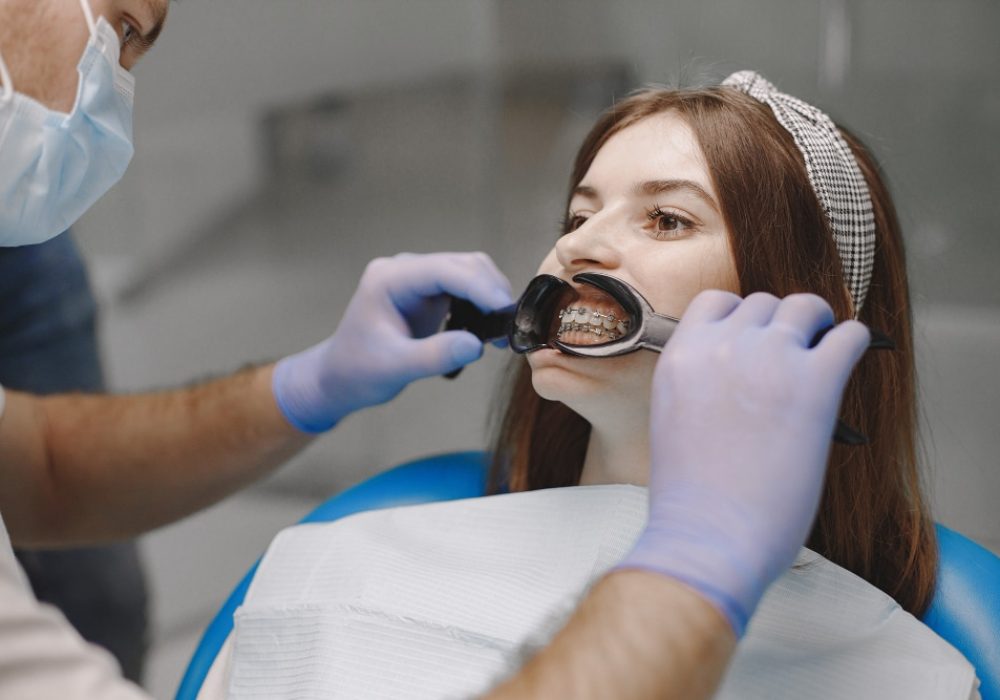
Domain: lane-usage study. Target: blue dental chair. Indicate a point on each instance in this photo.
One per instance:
(965, 610)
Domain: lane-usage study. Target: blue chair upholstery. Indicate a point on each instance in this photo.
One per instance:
(966, 606)
(965, 610)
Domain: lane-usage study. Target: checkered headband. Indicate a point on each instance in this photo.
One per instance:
(833, 173)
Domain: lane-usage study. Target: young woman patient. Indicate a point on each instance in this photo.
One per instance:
(680, 191)
(674, 192)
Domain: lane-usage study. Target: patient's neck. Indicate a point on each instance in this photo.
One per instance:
(616, 455)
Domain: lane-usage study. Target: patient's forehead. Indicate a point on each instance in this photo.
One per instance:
(658, 147)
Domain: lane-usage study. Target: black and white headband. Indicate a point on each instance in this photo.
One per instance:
(833, 173)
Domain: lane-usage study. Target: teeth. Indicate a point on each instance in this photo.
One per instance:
(586, 328)
(583, 320)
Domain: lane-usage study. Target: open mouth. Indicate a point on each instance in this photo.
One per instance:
(592, 319)
(593, 310)
(595, 315)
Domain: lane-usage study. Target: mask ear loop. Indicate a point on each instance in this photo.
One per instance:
(88, 14)
(8, 85)
(7, 94)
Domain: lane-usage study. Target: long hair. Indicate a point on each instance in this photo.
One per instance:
(873, 518)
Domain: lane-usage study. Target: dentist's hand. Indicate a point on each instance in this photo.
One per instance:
(742, 418)
(388, 336)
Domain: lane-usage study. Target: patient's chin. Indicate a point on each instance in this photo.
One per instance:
(575, 392)
(583, 394)
(553, 385)
(599, 390)
(559, 377)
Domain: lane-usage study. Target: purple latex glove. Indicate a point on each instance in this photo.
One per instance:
(388, 336)
(741, 423)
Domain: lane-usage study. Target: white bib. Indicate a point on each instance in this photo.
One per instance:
(444, 600)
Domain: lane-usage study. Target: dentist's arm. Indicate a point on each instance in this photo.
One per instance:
(742, 416)
(81, 469)
(636, 635)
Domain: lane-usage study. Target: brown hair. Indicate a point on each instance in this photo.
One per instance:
(872, 519)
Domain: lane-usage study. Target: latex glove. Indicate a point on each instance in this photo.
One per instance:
(742, 417)
(388, 336)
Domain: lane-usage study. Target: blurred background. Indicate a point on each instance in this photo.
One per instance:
(281, 145)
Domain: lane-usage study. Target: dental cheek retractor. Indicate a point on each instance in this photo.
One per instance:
(544, 315)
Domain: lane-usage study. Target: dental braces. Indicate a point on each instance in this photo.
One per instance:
(584, 320)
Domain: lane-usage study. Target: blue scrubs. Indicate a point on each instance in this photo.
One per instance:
(48, 344)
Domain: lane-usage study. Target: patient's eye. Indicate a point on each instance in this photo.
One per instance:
(572, 222)
(669, 224)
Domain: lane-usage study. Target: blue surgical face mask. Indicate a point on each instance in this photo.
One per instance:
(54, 166)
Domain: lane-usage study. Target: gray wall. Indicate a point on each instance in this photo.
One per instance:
(220, 65)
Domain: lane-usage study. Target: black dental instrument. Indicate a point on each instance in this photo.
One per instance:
(535, 323)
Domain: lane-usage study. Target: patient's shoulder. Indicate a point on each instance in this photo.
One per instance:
(821, 621)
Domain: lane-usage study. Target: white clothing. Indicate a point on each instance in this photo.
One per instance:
(444, 600)
(41, 655)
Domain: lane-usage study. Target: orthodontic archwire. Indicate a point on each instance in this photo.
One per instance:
(587, 321)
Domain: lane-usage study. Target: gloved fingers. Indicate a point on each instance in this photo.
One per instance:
(428, 318)
(841, 349)
(439, 354)
(803, 316)
(757, 309)
(495, 272)
(710, 305)
(410, 279)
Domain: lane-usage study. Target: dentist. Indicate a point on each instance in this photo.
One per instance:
(86, 469)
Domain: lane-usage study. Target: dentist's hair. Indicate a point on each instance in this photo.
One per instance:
(873, 517)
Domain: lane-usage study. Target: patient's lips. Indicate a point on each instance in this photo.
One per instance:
(591, 319)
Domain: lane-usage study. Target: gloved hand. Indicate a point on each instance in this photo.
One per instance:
(741, 422)
(388, 336)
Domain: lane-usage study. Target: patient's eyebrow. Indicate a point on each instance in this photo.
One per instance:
(654, 187)
(585, 191)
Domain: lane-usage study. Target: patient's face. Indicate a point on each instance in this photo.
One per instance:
(645, 212)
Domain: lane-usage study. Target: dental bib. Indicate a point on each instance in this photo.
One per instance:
(445, 600)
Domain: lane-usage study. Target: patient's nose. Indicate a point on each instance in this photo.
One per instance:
(590, 246)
